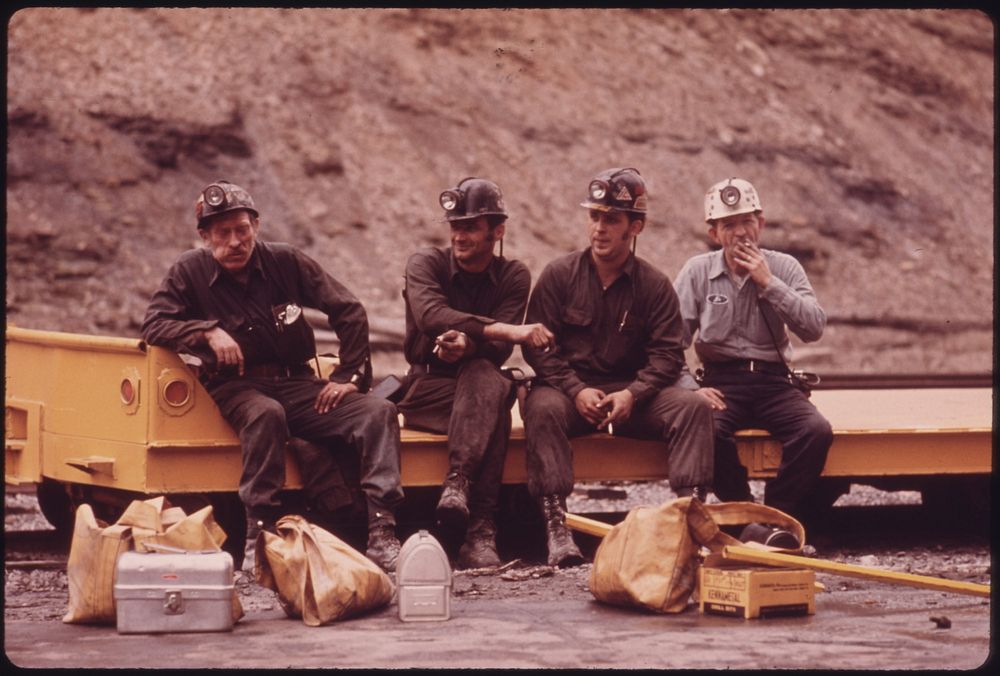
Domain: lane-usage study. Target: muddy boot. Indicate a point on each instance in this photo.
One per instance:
(383, 545)
(254, 528)
(699, 492)
(480, 548)
(769, 535)
(453, 507)
(563, 552)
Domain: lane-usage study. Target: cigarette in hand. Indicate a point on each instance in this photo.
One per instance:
(436, 351)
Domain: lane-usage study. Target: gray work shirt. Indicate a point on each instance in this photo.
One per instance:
(729, 318)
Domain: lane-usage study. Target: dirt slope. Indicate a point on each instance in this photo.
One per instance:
(868, 133)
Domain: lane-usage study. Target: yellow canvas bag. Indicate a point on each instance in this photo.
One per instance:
(318, 576)
(651, 558)
(96, 547)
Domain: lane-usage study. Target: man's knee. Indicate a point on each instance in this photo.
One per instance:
(485, 379)
(266, 413)
(686, 407)
(545, 407)
(698, 407)
(818, 429)
(378, 410)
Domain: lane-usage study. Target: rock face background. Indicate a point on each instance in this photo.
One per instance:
(869, 135)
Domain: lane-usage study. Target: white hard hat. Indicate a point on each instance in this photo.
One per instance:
(730, 197)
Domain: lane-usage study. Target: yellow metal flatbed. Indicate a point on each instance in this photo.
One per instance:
(111, 412)
(876, 433)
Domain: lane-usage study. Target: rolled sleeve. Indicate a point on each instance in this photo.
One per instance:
(793, 298)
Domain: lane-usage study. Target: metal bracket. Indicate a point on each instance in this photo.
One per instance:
(94, 464)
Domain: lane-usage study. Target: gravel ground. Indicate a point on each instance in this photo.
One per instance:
(41, 594)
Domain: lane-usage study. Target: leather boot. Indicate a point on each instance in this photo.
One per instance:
(699, 492)
(453, 507)
(383, 545)
(769, 535)
(255, 526)
(563, 552)
(480, 547)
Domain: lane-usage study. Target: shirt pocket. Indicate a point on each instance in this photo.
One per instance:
(717, 318)
(576, 339)
(624, 344)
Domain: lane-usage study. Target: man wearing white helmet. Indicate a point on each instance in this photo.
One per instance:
(740, 299)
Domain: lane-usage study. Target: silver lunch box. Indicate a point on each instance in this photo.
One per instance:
(174, 592)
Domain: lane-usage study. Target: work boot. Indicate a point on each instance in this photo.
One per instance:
(453, 507)
(383, 545)
(254, 528)
(769, 535)
(563, 552)
(699, 492)
(480, 547)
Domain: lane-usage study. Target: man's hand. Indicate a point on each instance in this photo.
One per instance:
(452, 345)
(749, 257)
(227, 351)
(532, 335)
(332, 394)
(588, 404)
(715, 398)
(617, 407)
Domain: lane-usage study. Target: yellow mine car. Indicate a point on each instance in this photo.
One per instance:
(104, 420)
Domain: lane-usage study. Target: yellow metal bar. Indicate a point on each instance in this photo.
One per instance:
(73, 341)
(751, 555)
(588, 526)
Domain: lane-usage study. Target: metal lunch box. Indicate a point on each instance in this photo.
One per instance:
(174, 592)
(423, 576)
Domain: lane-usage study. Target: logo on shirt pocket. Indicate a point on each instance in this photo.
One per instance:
(717, 299)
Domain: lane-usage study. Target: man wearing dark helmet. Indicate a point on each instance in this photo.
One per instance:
(236, 304)
(464, 308)
(619, 354)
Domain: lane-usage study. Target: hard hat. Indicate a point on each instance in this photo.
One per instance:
(473, 197)
(617, 190)
(220, 197)
(730, 197)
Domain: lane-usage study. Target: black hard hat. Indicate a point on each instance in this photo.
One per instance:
(473, 197)
(220, 197)
(617, 190)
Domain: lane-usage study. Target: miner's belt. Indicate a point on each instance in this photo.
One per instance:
(746, 365)
(274, 371)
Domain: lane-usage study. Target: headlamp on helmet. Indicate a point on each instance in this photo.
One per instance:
(450, 200)
(220, 197)
(617, 190)
(598, 189)
(730, 197)
(471, 198)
